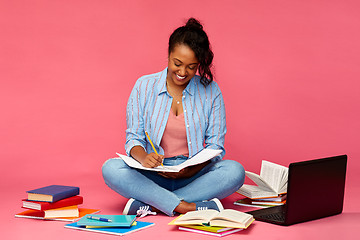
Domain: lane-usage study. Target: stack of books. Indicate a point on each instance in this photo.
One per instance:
(262, 202)
(271, 186)
(212, 222)
(54, 202)
(109, 224)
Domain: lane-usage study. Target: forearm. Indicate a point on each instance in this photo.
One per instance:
(138, 153)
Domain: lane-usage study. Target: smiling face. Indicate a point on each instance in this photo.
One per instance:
(182, 66)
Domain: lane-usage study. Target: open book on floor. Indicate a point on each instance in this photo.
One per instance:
(202, 156)
(271, 182)
(225, 218)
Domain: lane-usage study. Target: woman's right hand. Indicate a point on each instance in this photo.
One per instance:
(152, 160)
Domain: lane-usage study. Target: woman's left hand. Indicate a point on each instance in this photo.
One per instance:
(184, 173)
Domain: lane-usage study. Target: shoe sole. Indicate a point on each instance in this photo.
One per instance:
(127, 206)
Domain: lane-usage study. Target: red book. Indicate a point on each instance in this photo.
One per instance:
(75, 200)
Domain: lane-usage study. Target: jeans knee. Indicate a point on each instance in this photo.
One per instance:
(106, 167)
(235, 172)
(110, 166)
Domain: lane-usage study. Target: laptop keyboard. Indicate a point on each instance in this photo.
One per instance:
(278, 217)
(274, 214)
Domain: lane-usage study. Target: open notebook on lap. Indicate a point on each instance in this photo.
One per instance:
(315, 190)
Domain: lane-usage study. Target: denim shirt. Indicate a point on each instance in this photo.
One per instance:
(149, 106)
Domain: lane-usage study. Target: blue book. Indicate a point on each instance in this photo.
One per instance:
(112, 230)
(52, 193)
(114, 220)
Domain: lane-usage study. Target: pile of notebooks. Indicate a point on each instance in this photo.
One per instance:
(262, 202)
(109, 224)
(54, 202)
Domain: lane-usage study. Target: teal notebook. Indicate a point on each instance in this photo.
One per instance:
(116, 220)
(112, 230)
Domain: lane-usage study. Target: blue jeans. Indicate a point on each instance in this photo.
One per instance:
(218, 179)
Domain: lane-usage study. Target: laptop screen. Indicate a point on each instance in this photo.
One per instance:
(315, 189)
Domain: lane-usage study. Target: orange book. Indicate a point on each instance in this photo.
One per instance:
(36, 214)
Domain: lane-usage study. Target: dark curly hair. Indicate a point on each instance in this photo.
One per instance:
(193, 35)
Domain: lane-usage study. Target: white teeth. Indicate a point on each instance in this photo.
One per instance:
(180, 77)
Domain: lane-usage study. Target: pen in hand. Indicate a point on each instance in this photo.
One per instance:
(99, 219)
(152, 145)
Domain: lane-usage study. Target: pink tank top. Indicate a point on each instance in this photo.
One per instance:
(174, 140)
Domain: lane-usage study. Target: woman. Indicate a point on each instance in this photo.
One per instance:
(183, 114)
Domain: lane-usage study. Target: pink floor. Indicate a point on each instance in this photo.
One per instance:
(288, 71)
(97, 195)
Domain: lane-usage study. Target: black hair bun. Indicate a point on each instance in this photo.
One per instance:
(193, 23)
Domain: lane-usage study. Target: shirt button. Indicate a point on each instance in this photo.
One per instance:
(184, 110)
(187, 125)
(189, 142)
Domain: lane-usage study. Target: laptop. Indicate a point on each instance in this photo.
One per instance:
(315, 190)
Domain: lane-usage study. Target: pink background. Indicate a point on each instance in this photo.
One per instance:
(289, 72)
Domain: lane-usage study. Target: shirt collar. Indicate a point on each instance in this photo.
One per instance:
(190, 88)
(162, 82)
